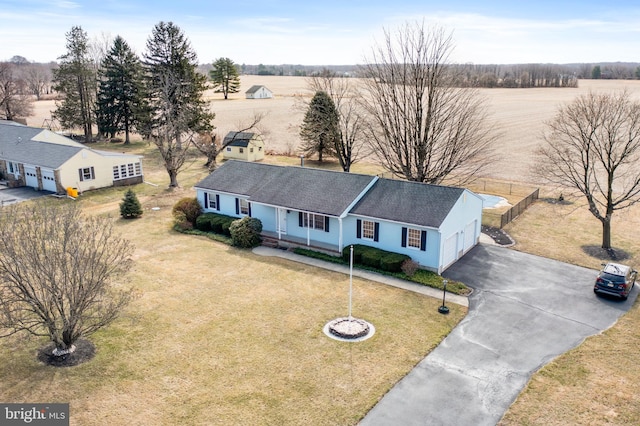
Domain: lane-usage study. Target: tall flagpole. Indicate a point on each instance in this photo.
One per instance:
(350, 279)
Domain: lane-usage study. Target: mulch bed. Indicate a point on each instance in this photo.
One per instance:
(498, 235)
(85, 350)
(606, 254)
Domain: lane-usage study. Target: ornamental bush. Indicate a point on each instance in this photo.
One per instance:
(375, 258)
(245, 232)
(130, 207)
(186, 212)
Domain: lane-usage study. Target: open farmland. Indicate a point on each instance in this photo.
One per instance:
(518, 114)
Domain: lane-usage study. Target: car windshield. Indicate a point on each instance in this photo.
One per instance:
(612, 278)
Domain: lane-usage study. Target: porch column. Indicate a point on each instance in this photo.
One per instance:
(278, 223)
(340, 242)
(308, 230)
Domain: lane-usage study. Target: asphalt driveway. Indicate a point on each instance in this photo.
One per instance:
(525, 311)
(15, 195)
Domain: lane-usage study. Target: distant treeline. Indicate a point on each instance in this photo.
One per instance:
(492, 75)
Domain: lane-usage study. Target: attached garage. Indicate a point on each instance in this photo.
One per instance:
(31, 177)
(450, 250)
(470, 235)
(48, 180)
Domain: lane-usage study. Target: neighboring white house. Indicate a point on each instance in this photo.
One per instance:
(245, 146)
(259, 92)
(44, 160)
(434, 225)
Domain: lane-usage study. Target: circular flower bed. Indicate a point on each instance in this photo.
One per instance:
(349, 328)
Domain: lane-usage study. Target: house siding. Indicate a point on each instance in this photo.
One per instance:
(390, 239)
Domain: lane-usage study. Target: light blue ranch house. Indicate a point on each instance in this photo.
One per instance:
(326, 210)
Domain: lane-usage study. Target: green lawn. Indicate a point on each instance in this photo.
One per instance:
(220, 336)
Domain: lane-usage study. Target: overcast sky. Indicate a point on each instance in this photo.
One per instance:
(334, 32)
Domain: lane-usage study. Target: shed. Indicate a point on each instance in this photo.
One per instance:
(259, 92)
(245, 146)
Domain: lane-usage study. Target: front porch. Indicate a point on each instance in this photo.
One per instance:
(271, 239)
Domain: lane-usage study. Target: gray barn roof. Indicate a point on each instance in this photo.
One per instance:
(17, 144)
(408, 202)
(255, 88)
(241, 138)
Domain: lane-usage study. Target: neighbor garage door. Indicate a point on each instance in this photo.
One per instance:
(48, 180)
(31, 178)
(450, 249)
(469, 235)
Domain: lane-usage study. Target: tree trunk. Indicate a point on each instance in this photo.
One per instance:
(606, 233)
(173, 177)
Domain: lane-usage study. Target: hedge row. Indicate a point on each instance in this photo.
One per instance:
(213, 222)
(375, 258)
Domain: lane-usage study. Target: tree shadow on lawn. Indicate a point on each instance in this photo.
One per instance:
(605, 254)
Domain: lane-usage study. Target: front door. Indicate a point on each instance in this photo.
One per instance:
(282, 221)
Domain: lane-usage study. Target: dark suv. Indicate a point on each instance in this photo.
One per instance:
(616, 280)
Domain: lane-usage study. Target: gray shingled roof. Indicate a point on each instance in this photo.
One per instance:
(255, 88)
(297, 188)
(408, 202)
(16, 144)
(241, 138)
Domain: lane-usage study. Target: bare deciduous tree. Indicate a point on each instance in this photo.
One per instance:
(210, 144)
(38, 78)
(56, 273)
(349, 147)
(15, 101)
(593, 146)
(420, 125)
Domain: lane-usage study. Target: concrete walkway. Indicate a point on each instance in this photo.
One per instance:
(371, 276)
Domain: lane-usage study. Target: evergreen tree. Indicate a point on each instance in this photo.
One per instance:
(596, 72)
(320, 127)
(76, 79)
(225, 77)
(176, 89)
(130, 207)
(121, 93)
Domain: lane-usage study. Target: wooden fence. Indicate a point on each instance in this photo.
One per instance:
(515, 211)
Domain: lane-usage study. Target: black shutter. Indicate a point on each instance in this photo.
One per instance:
(300, 220)
(404, 237)
(326, 224)
(80, 173)
(218, 202)
(376, 231)
(423, 240)
(359, 230)
(93, 173)
(237, 206)
(206, 200)
(249, 204)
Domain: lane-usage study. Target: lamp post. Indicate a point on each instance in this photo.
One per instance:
(443, 309)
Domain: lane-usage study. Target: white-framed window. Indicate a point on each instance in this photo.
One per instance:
(250, 149)
(244, 206)
(124, 171)
(413, 238)
(368, 229)
(228, 149)
(313, 221)
(86, 173)
(211, 201)
(241, 150)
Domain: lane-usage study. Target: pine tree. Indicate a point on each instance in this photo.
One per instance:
(76, 79)
(130, 207)
(225, 77)
(121, 94)
(320, 130)
(176, 90)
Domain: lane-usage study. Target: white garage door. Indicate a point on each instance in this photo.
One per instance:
(31, 178)
(450, 250)
(469, 235)
(48, 180)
